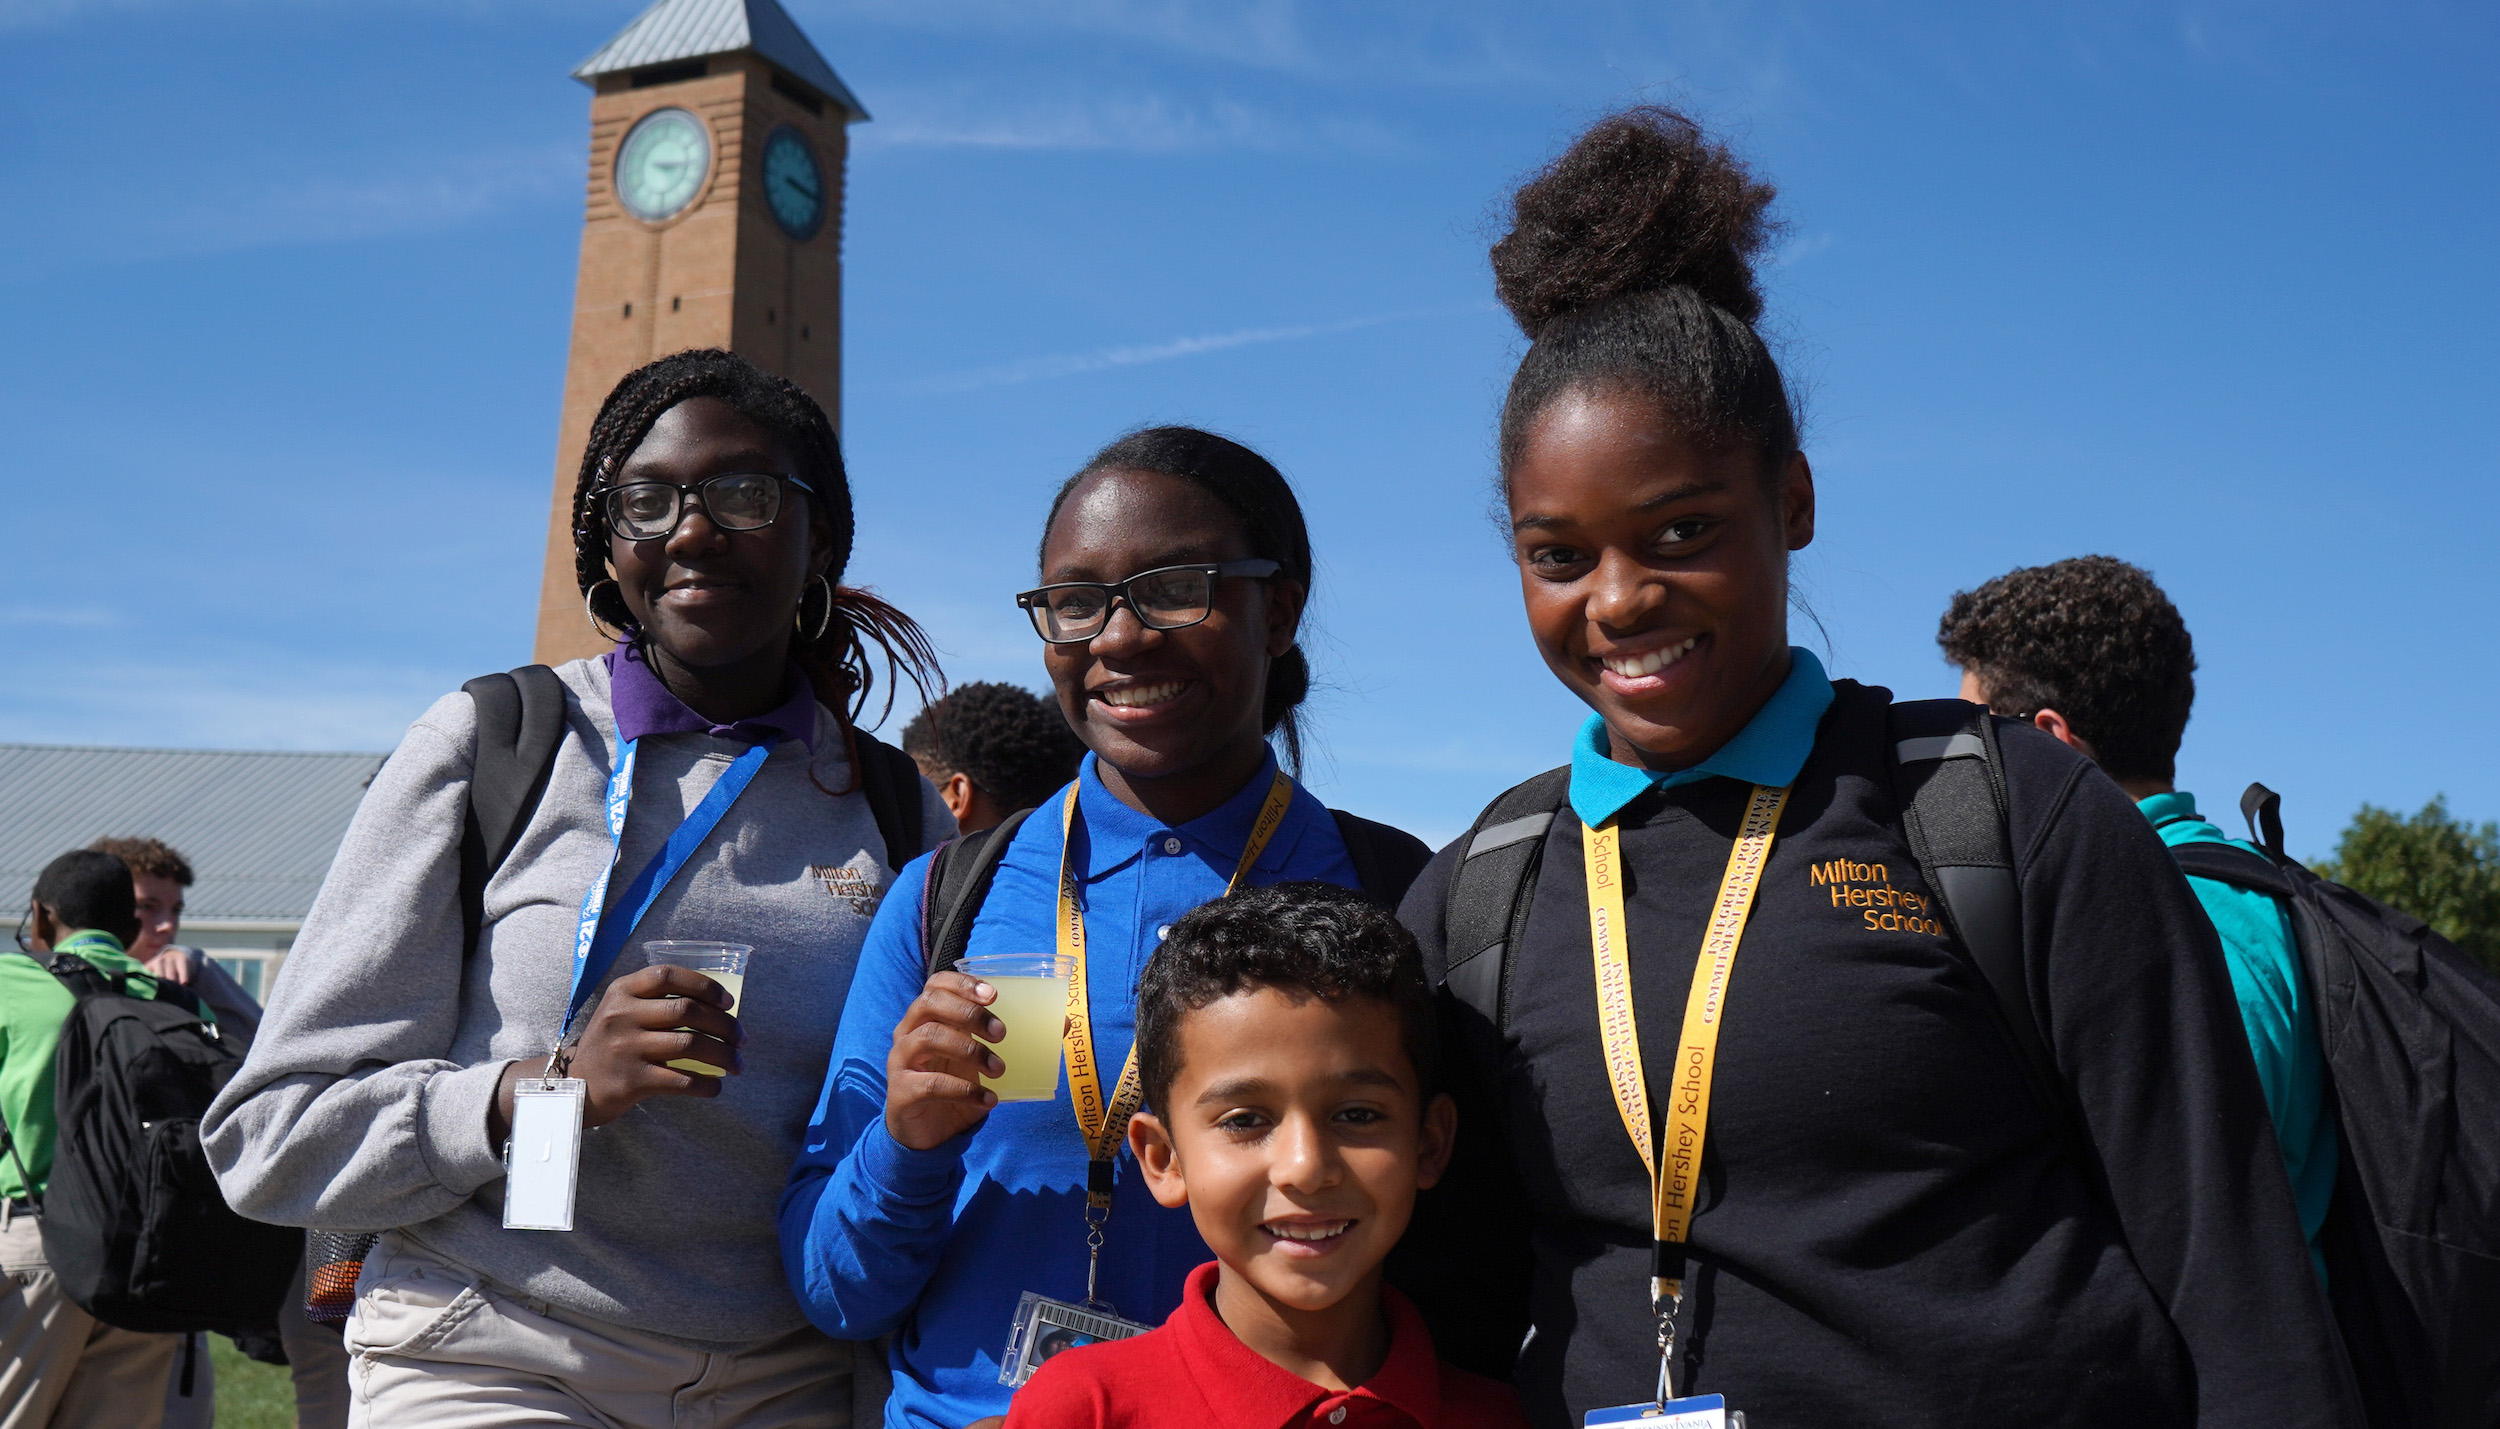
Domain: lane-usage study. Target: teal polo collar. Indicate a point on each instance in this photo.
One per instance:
(1769, 750)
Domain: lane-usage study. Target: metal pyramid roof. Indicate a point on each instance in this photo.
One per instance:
(259, 829)
(691, 29)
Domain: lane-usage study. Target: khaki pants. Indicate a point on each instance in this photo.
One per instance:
(60, 1368)
(436, 1348)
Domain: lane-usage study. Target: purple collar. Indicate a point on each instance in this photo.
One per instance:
(645, 706)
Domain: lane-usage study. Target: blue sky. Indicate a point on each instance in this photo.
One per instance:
(2209, 287)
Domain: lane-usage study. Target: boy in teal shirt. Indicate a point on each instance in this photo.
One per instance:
(58, 1365)
(2090, 651)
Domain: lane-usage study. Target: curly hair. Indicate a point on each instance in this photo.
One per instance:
(154, 858)
(1629, 265)
(1016, 747)
(1306, 939)
(837, 660)
(2092, 638)
(1271, 518)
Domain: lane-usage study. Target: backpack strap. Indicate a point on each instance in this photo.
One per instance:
(2263, 808)
(520, 725)
(892, 783)
(1387, 861)
(2228, 863)
(1948, 778)
(960, 874)
(1491, 890)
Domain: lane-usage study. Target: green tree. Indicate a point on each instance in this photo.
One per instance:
(2434, 866)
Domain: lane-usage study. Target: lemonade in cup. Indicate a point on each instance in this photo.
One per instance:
(723, 963)
(1033, 1005)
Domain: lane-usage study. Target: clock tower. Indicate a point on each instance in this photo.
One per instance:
(713, 219)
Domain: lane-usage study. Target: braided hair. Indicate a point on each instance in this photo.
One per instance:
(1251, 486)
(1629, 265)
(836, 658)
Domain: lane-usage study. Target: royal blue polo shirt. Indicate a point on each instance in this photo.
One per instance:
(938, 1246)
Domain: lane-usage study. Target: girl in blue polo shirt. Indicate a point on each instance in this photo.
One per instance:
(1175, 568)
(1729, 1064)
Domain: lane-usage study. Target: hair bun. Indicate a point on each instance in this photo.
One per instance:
(1643, 200)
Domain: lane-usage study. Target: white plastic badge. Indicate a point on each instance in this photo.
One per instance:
(1701, 1411)
(1044, 1327)
(542, 1162)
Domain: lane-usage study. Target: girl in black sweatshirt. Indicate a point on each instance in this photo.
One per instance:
(1875, 1215)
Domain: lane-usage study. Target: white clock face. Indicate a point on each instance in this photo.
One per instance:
(661, 164)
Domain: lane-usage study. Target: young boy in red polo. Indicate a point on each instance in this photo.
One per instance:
(1285, 1047)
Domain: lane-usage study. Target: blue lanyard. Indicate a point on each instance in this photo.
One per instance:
(598, 940)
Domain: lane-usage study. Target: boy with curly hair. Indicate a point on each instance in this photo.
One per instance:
(1285, 1042)
(2091, 651)
(990, 749)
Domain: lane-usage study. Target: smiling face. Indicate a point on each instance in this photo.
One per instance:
(713, 600)
(1655, 573)
(1297, 1135)
(1161, 705)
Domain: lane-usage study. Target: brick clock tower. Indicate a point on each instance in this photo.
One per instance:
(717, 140)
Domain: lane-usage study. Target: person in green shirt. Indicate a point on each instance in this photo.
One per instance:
(2091, 651)
(58, 1365)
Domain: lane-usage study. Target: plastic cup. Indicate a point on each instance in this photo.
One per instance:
(723, 963)
(1033, 1005)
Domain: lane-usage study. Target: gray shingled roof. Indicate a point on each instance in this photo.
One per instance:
(259, 829)
(691, 29)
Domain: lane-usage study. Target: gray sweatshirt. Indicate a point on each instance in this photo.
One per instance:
(363, 1104)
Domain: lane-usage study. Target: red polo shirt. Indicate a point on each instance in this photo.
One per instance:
(1195, 1372)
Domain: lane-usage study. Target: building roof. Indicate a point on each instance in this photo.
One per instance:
(691, 29)
(259, 829)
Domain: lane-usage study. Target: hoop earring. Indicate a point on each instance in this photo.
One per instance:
(593, 616)
(797, 617)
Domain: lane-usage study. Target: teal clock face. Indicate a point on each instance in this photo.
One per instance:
(661, 164)
(793, 185)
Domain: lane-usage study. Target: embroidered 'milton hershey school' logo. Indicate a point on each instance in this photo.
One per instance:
(847, 883)
(1867, 888)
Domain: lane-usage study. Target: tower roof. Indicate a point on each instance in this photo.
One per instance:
(692, 29)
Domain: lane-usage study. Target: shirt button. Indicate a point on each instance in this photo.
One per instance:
(1172, 846)
(1337, 1415)
(1163, 932)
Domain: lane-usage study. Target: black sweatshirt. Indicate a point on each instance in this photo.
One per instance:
(1890, 1231)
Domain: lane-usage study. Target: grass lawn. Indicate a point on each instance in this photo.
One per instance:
(250, 1395)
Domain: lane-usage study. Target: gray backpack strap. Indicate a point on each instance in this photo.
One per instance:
(1949, 778)
(1491, 890)
(520, 725)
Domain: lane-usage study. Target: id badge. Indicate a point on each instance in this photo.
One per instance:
(1700, 1411)
(543, 1161)
(1044, 1327)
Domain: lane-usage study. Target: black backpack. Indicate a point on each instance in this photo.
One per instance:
(1386, 863)
(133, 1223)
(520, 726)
(2410, 1027)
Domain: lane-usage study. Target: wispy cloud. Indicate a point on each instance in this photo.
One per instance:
(59, 617)
(1138, 123)
(1071, 364)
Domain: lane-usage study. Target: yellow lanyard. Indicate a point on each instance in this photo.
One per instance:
(1105, 1130)
(1697, 1050)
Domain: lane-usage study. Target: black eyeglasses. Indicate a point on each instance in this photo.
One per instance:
(1167, 598)
(739, 501)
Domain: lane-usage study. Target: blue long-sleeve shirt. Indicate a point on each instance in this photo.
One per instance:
(939, 1245)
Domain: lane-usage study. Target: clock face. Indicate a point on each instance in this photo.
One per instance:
(793, 185)
(660, 166)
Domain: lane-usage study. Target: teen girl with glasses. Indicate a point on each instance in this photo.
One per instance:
(712, 525)
(1862, 1210)
(1175, 568)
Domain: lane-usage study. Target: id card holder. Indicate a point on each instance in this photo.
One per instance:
(543, 1161)
(1044, 1327)
(1700, 1411)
